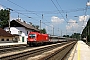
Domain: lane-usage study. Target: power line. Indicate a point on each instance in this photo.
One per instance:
(61, 9)
(59, 6)
(46, 24)
(58, 10)
(24, 14)
(16, 11)
(52, 12)
(21, 7)
(20, 13)
(73, 10)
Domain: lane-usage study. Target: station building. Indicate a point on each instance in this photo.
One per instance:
(20, 29)
(5, 37)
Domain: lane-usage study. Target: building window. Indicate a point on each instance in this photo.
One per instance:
(27, 32)
(2, 39)
(8, 31)
(7, 40)
(19, 32)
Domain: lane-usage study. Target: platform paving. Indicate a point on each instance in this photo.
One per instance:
(6, 44)
(82, 51)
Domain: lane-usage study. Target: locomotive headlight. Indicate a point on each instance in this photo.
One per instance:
(34, 39)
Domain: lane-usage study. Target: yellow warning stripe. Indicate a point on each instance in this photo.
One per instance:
(78, 51)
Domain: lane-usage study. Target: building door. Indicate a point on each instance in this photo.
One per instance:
(22, 39)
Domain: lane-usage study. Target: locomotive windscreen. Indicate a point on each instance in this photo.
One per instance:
(32, 35)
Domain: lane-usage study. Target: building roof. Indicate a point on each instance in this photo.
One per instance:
(19, 23)
(26, 25)
(4, 33)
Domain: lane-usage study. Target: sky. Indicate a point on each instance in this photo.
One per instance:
(58, 17)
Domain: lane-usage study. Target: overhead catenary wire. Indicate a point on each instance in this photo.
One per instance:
(58, 10)
(61, 9)
(15, 11)
(38, 15)
(24, 15)
(23, 8)
(19, 12)
(85, 13)
(60, 6)
(41, 12)
(53, 12)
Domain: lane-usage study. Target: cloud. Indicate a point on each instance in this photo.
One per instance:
(72, 25)
(83, 18)
(1, 7)
(79, 26)
(56, 20)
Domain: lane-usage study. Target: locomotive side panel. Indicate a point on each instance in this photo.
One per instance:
(36, 38)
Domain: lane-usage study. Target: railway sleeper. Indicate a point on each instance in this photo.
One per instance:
(59, 54)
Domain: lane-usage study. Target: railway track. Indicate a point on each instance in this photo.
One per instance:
(23, 55)
(12, 48)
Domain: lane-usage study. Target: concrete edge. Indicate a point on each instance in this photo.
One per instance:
(72, 53)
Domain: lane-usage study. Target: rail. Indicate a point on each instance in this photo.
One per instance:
(26, 54)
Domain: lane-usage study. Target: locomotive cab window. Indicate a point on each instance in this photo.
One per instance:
(32, 35)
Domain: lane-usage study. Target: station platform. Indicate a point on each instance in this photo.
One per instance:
(81, 51)
(8, 44)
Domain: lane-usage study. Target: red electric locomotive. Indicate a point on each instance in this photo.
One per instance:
(35, 38)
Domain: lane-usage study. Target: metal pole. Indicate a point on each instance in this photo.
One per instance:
(53, 30)
(18, 16)
(88, 30)
(61, 33)
(40, 24)
(66, 32)
(9, 19)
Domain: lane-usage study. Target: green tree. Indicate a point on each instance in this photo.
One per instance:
(75, 35)
(86, 31)
(43, 31)
(4, 17)
(36, 26)
(65, 35)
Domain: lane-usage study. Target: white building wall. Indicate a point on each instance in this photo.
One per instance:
(5, 39)
(15, 30)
